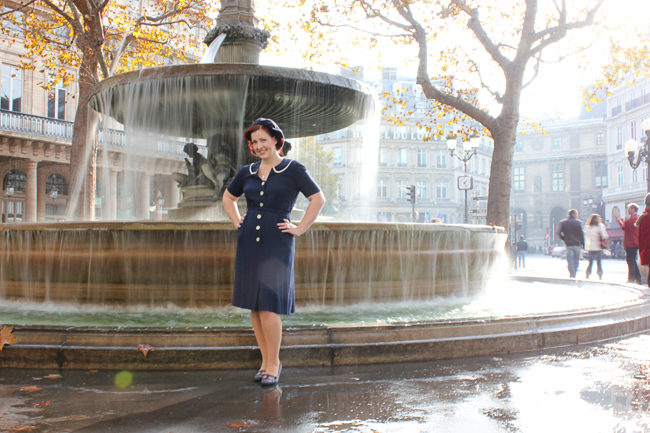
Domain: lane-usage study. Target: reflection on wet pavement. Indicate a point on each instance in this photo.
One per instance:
(585, 389)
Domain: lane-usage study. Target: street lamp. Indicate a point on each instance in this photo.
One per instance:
(469, 150)
(589, 204)
(642, 151)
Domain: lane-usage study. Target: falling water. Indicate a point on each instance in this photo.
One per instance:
(211, 52)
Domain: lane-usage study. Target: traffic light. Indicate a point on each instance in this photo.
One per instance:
(410, 192)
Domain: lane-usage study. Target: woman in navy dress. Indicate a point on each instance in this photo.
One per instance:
(265, 237)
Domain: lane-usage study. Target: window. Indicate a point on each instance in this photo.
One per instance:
(15, 178)
(401, 157)
(619, 141)
(382, 157)
(519, 146)
(441, 189)
(557, 143)
(601, 174)
(12, 211)
(422, 157)
(56, 102)
(12, 88)
(56, 181)
(441, 158)
(537, 185)
(382, 188)
(600, 139)
(337, 156)
(619, 175)
(421, 189)
(359, 155)
(401, 188)
(633, 130)
(557, 177)
(519, 179)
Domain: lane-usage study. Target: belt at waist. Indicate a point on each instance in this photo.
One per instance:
(268, 209)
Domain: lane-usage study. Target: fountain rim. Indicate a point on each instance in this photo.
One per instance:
(228, 69)
(318, 226)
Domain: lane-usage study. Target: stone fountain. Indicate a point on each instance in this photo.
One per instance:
(190, 264)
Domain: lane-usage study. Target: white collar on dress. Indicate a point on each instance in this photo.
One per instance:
(250, 167)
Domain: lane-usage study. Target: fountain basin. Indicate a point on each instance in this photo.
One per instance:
(200, 100)
(234, 347)
(191, 264)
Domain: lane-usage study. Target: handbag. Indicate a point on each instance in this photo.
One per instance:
(603, 243)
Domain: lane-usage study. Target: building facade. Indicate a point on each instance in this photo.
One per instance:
(627, 108)
(35, 142)
(403, 158)
(560, 166)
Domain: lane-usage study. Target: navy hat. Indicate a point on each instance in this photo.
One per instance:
(273, 128)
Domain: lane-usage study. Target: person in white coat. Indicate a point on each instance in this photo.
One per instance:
(595, 232)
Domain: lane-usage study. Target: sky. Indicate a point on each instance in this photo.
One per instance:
(558, 88)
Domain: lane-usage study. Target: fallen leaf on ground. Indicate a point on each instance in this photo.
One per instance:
(145, 348)
(68, 418)
(30, 388)
(52, 376)
(240, 424)
(6, 336)
(42, 403)
(21, 428)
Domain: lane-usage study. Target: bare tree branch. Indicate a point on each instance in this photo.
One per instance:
(362, 30)
(475, 26)
(536, 67)
(9, 12)
(496, 94)
(116, 57)
(367, 6)
(76, 25)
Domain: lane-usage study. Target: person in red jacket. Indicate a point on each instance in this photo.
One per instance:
(643, 223)
(631, 243)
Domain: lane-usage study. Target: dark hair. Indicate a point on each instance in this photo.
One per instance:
(257, 127)
(593, 219)
(573, 212)
(634, 205)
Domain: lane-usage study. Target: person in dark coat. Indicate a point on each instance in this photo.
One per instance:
(631, 243)
(265, 237)
(570, 231)
(643, 224)
(522, 248)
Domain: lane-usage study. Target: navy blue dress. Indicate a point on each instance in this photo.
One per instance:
(264, 263)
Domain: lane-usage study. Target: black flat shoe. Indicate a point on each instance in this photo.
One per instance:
(269, 380)
(259, 375)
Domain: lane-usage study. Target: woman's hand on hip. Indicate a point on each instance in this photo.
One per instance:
(288, 227)
(241, 221)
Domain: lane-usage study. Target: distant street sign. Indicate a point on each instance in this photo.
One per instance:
(478, 212)
(480, 197)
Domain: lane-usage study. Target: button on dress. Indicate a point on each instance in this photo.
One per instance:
(265, 255)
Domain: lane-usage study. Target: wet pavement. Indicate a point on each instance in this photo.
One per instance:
(603, 388)
(595, 388)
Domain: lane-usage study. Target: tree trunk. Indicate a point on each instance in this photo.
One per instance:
(81, 202)
(500, 178)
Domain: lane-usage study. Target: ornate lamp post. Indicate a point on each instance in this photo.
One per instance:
(465, 183)
(642, 152)
(589, 204)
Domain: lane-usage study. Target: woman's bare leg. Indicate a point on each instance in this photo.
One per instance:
(260, 337)
(272, 331)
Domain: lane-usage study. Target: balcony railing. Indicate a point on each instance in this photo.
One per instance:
(638, 102)
(62, 129)
(617, 110)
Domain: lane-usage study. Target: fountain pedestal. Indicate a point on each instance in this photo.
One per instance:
(198, 205)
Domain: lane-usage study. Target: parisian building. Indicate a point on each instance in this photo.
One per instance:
(405, 159)
(35, 141)
(627, 108)
(558, 165)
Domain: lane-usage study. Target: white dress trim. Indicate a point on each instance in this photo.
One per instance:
(250, 167)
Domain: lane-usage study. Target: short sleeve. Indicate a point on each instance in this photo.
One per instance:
(304, 182)
(236, 187)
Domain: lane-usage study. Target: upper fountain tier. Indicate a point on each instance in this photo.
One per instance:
(199, 100)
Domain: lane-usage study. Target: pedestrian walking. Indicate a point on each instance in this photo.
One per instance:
(631, 243)
(522, 248)
(570, 231)
(643, 224)
(595, 241)
(513, 255)
(265, 238)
